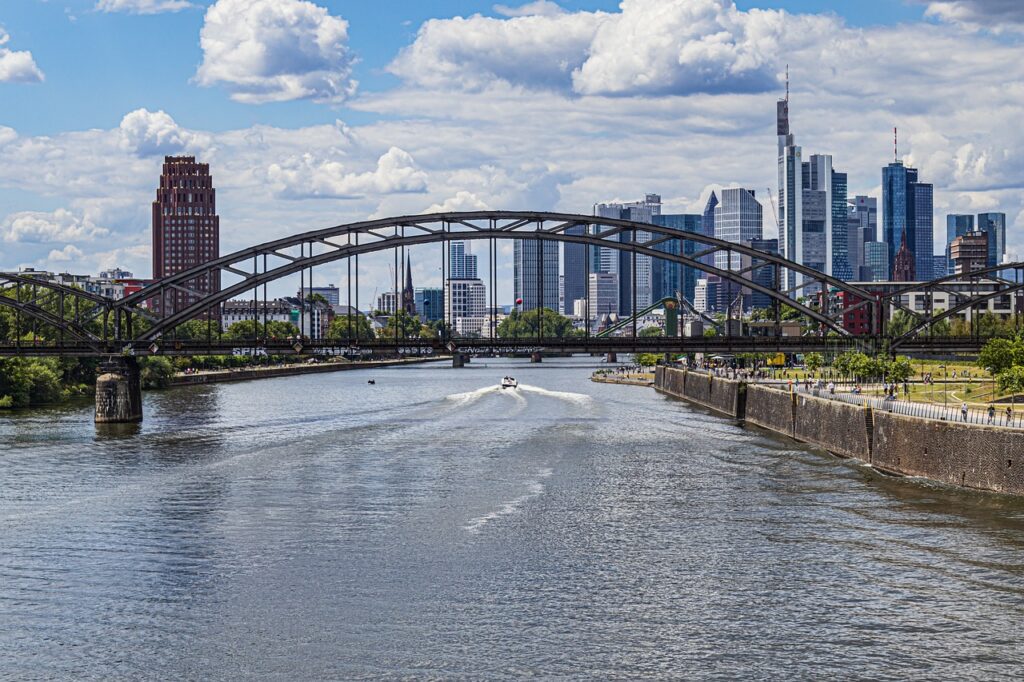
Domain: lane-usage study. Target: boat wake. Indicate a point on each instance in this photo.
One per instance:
(576, 398)
(534, 488)
(470, 397)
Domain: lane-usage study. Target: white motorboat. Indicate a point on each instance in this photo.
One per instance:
(509, 382)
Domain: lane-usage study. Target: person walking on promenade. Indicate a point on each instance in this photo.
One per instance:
(963, 411)
(1009, 415)
(906, 389)
(991, 413)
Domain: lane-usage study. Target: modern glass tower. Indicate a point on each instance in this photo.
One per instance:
(574, 266)
(668, 278)
(613, 261)
(994, 225)
(461, 261)
(907, 207)
(535, 273)
(738, 219)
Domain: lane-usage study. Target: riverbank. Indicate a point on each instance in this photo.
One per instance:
(251, 373)
(978, 457)
(636, 379)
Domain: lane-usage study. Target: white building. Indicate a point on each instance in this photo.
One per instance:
(604, 294)
(465, 306)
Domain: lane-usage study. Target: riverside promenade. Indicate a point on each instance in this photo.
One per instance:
(894, 437)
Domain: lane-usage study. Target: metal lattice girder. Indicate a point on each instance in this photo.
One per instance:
(17, 284)
(441, 227)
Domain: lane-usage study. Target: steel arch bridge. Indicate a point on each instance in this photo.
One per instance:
(103, 326)
(259, 265)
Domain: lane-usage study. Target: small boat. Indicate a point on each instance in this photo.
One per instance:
(509, 382)
(371, 382)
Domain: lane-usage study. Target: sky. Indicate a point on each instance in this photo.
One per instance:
(314, 113)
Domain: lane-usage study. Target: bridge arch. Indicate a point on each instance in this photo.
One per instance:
(31, 308)
(354, 239)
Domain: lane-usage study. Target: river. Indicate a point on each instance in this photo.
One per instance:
(434, 526)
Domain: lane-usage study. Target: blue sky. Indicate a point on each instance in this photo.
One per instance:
(401, 108)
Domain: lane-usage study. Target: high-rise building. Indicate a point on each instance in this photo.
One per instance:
(604, 294)
(956, 226)
(430, 304)
(186, 230)
(575, 270)
(465, 306)
(708, 225)
(813, 221)
(621, 262)
(970, 252)
(907, 210)
(994, 225)
(764, 275)
(862, 227)
(738, 219)
(876, 261)
(668, 278)
(461, 261)
(387, 303)
(535, 273)
(940, 266)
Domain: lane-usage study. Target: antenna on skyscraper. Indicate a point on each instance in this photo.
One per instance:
(895, 146)
(787, 82)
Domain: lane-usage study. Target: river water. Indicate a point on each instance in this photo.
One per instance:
(434, 526)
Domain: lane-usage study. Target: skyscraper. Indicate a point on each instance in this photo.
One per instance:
(618, 262)
(876, 261)
(813, 222)
(956, 226)
(574, 266)
(535, 273)
(461, 261)
(994, 225)
(738, 219)
(667, 278)
(907, 210)
(186, 229)
(862, 222)
(430, 304)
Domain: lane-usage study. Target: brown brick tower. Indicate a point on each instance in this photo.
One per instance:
(186, 229)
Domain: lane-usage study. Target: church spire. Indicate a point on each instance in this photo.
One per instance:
(408, 293)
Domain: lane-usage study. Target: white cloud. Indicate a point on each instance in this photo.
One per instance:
(997, 16)
(67, 254)
(148, 133)
(308, 177)
(142, 6)
(649, 47)
(275, 51)
(462, 201)
(538, 7)
(17, 67)
(58, 226)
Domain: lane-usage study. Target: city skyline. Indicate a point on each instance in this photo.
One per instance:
(286, 162)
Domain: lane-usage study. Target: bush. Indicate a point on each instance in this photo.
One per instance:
(156, 372)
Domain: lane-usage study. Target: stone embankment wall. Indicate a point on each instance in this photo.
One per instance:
(979, 457)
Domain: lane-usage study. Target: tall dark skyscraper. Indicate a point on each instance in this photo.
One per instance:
(667, 278)
(994, 225)
(535, 266)
(186, 228)
(574, 264)
(907, 206)
(957, 225)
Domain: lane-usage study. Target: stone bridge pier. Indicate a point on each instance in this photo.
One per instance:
(119, 392)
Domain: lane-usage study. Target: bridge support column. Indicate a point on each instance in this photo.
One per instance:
(611, 357)
(536, 357)
(119, 392)
(459, 359)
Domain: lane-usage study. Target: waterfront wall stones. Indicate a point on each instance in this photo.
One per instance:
(840, 428)
(770, 409)
(978, 457)
(968, 455)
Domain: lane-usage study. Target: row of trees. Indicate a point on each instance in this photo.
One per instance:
(863, 367)
(1003, 358)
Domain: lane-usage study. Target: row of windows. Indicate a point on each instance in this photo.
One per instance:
(188, 210)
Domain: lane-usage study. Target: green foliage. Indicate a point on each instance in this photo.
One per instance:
(814, 361)
(198, 330)
(250, 330)
(899, 370)
(646, 359)
(344, 328)
(710, 331)
(30, 381)
(156, 371)
(901, 323)
(1011, 380)
(525, 325)
(402, 325)
(651, 332)
(999, 355)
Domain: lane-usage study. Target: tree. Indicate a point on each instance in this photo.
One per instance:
(1011, 380)
(999, 355)
(525, 325)
(156, 371)
(646, 359)
(651, 332)
(346, 328)
(251, 330)
(899, 370)
(901, 323)
(29, 381)
(401, 325)
(317, 298)
(814, 361)
(198, 330)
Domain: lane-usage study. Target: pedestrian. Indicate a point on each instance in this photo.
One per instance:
(906, 389)
(991, 413)
(831, 388)
(963, 411)
(1009, 415)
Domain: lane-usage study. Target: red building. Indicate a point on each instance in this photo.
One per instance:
(858, 321)
(903, 268)
(186, 229)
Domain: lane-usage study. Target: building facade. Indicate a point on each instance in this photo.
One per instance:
(957, 225)
(603, 294)
(465, 306)
(430, 304)
(668, 278)
(969, 252)
(535, 273)
(185, 230)
(907, 211)
(738, 219)
(876, 261)
(994, 225)
(462, 263)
